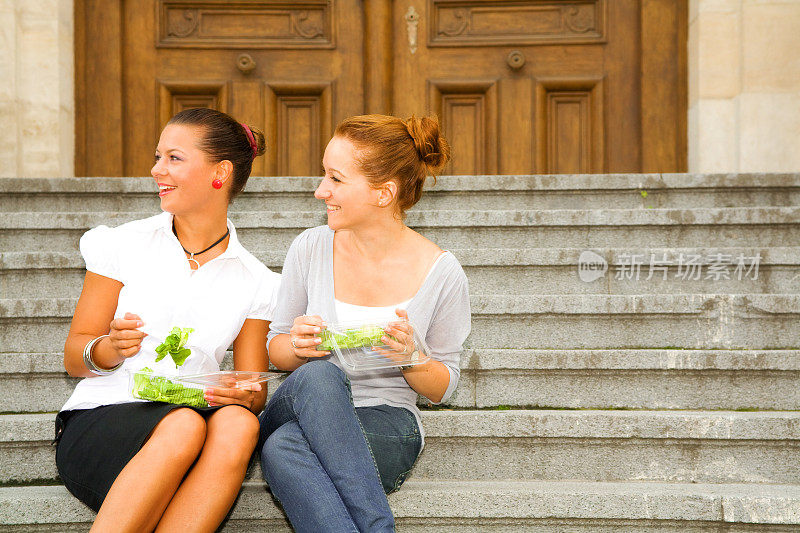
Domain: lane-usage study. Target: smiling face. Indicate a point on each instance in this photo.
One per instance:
(348, 196)
(183, 172)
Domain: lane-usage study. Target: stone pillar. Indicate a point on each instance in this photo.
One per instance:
(37, 103)
(744, 86)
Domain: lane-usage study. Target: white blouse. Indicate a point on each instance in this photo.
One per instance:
(160, 287)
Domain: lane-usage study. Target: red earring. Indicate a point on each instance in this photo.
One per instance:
(217, 184)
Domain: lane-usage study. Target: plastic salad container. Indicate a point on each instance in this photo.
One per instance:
(358, 346)
(188, 390)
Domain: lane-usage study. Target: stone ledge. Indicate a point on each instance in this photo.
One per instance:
(707, 305)
(701, 216)
(629, 359)
(554, 424)
(525, 500)
(560, 182)
(569, 257)
(509, 257)
(560, 378)
(659, 446)
(526, 359)
(601, 424)
(702, 305)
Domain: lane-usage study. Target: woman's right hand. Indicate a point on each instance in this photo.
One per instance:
(126, 340)
(303, 336)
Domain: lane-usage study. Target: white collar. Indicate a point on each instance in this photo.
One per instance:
(235, 250)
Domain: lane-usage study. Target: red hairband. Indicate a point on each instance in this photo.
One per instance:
(250, 139)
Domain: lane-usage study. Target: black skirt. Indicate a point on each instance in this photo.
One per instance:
(94, 445)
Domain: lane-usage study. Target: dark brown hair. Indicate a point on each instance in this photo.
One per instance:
(224, 138)
(405, 151)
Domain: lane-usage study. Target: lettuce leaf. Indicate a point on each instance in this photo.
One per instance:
(160, 389)
(352, 338)
(173, 345)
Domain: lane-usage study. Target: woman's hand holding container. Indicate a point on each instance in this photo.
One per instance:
(304, 336)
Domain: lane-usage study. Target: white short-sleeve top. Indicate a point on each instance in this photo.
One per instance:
(160, 287)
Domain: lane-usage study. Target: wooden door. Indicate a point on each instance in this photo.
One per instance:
(521, 86)
(292, 69)
(547, 86)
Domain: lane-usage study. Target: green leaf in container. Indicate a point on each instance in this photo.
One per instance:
(160, 389)
(180, 356)
(173, 345)
(162, 350)
(352, 338)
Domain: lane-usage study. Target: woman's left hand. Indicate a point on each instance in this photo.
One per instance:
(400, 335)
(245, 396)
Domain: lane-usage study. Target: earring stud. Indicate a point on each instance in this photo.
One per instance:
(217, 184)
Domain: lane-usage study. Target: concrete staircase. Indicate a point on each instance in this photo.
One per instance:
(656, 402)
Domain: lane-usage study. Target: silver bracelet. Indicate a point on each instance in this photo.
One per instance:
(90, 364)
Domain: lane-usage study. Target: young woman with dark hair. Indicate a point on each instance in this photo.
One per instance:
(335, 442)
(145, 465)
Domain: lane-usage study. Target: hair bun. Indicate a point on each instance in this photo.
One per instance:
(431, 145)
(261, 141)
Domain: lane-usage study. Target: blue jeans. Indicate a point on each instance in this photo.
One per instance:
(316, 457)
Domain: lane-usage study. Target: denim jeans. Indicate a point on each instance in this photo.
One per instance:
(316, 457)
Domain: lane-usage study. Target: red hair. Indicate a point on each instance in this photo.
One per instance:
(403, 151)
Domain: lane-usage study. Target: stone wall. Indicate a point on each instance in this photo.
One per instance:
(744, 85)
(37, 104)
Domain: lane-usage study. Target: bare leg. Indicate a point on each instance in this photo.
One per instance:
(210, 488)
(143, 489)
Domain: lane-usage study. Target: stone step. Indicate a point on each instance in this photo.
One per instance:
(630, 379)
(564, 379)
(762, 321)
(694, 321)
(507, 271)
(598, 228)
(616, 191)
(492, 507)
(673, 446)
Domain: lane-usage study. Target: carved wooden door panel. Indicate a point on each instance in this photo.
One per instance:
(278, 65)
(547, 86)
(543, 86)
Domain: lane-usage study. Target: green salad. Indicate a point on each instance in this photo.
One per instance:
(160, 389)
(352, 338)
(146, 386)
(173, 345)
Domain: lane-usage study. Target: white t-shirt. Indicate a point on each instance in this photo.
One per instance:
(346, 312)
(160, 287)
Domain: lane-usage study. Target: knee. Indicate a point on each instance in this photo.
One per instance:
(278, 452)
(183, 431)
(321, 376)
(236, 430)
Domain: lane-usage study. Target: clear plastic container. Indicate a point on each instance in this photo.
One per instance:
(189, 389)
(359, 347)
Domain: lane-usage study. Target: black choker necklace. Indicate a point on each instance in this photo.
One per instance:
(192, 254)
